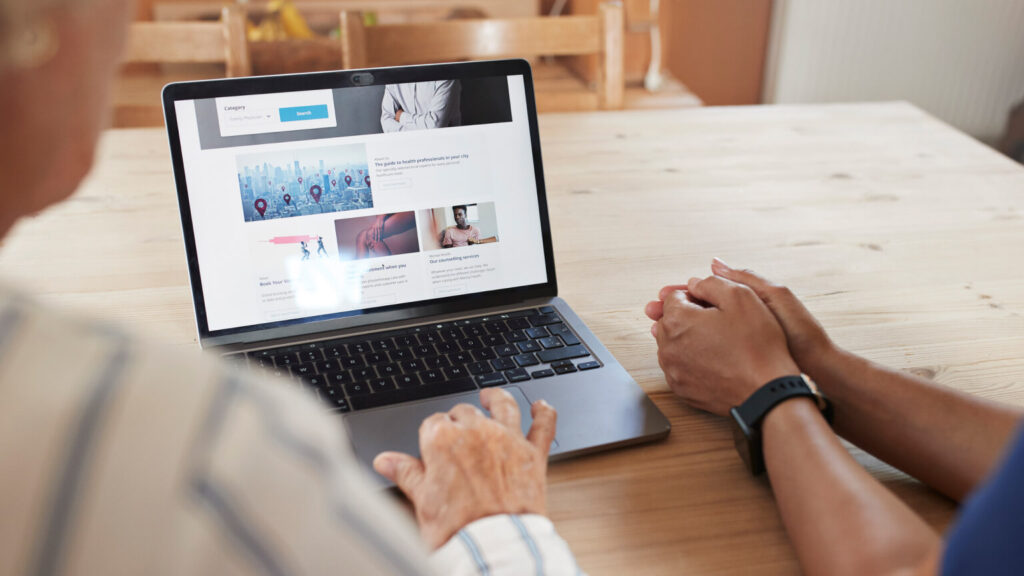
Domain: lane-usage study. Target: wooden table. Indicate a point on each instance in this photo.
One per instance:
(904, 236)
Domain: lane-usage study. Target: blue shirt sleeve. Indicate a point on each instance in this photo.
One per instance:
(988, 536)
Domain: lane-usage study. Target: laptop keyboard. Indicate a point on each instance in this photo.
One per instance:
(391, 367)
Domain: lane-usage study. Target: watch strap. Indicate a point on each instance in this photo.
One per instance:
(755, 408)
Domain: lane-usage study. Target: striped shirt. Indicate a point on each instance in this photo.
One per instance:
(122, 457)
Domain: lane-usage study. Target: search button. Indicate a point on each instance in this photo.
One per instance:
(299, 113)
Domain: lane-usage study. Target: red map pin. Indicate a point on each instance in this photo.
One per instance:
(300, 179)
(367, 180)
(261, 206)
(360, 171)
(334, 182)
(315, 191)
(287, 198)
(348, 179)
(282, 188)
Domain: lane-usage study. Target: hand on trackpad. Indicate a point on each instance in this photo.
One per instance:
(397, 428)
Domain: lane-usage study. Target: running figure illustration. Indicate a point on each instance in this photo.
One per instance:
(305, 251)
(320, 246)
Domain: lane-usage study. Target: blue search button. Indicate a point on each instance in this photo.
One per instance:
(298, 113)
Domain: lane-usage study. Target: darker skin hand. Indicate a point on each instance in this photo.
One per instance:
(398, 115)
(474, 466)
(717, 343)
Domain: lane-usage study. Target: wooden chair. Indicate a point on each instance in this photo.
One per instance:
(137, 93)
(599, 36)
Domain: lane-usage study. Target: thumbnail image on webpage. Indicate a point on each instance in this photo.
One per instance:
(290, 183)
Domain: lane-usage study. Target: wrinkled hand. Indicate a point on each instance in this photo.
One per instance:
(717, 342)
(474, 466)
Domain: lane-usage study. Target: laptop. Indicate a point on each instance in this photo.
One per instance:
(380, 238)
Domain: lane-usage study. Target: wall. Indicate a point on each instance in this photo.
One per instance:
(961, 60)
(717, 47)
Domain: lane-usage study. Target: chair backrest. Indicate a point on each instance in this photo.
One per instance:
(480, 39)
(193, 42)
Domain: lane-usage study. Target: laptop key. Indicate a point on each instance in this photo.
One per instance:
(495, 379)
(551, 342)
(518, 323)
(436, 362)
(431, 376)
(453, 372)
(382, 385)
(527, 359)
(588, 365)
(503, 363)
(350, 362)
(310, 356)
(325, 366)
(484, 354)
(359, 347)
(569, 338)
(544, 319)
(338, 403)
(423, 350)
(528, 346)
(493, 340)
(536, 333)
(558, 329)
(338, 378)
(479, 368)
(407, 381)
(364, 374)
(356, 389)
(565, 353)
(409, 394)
(412, 365)
(406, 341)
(505, 350)
(517, 375)
(303, 369)
(286, 359)
(547, 310)
(389, 369)
(563, 367)
(542, 373)
(376, 357)
(400, 354)
(516, 336)
(383, 345)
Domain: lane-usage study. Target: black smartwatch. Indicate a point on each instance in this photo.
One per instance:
(747, 417)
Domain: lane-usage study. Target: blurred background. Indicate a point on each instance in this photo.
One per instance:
(963, 62)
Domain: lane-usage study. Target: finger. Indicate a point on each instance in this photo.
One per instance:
(664, 292)
(542, 432)
(714, 290)
(405, 471)
(746, 277)
(503, 408)
(680, 303)
(654, 310)
(465, 413)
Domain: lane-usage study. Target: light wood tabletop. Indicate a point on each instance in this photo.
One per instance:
(904, 236)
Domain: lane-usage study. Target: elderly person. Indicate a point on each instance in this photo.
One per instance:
(123, 457)
(735, 344)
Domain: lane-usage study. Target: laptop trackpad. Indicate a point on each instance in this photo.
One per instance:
(397, 428)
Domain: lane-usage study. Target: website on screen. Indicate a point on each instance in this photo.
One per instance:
(331, 201)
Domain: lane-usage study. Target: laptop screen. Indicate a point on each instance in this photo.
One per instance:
(324, 203)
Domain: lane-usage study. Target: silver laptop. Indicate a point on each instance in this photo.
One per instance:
(381, 238)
